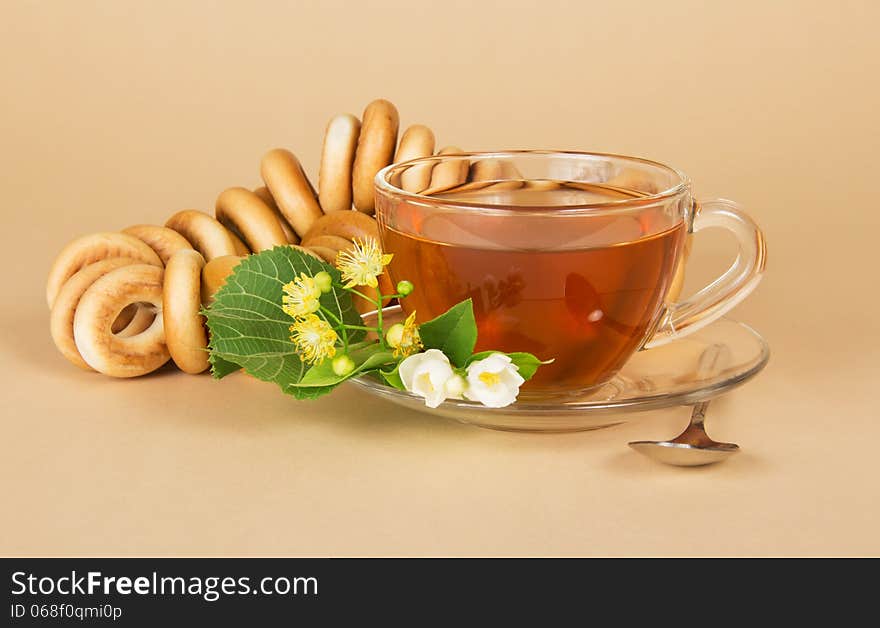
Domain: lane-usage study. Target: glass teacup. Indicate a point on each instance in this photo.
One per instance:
(571, 256)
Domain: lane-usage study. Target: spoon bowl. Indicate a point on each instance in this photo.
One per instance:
(691, 448)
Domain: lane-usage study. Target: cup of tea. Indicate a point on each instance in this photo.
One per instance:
(570, 256)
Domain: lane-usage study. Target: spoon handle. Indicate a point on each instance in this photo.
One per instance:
(699, 414)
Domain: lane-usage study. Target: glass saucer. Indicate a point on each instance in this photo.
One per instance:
(696, 368)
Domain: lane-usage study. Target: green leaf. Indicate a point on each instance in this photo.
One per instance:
(367, 359)
(454, 332)
(220, 368)
(526, 362)
(249, 329)
(392, 377)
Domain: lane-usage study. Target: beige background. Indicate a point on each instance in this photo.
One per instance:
(120, 112)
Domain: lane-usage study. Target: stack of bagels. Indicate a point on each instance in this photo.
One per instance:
(124, 303)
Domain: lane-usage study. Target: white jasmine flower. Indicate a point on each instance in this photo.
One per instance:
(426, 374)
(493, 381)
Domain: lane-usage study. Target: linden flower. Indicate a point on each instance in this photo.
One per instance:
(493, 381)
(301, 297)
(404, 338)
(361, 265)
(314, 338)
(430, 375)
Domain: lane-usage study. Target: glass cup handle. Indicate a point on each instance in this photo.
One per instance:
(723, 294)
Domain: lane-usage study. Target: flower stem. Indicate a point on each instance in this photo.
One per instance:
(379, 318)
(376, 329)
(365, 297)
(340, 324)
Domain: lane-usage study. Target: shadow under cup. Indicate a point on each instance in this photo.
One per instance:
(568, 256)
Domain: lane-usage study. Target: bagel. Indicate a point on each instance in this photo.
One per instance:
(346, 224)
(291, 189)
(238, 244)
(93, 248)
(266, 196)
(486, 170)
(417, 142)
(99, 306)
(328, 241)
(490, 175)
(306, 250)
(503, 172)
(132, 320)
(449, 173)
(214, 275)
(375, 150)
(125, 317)
(142, 318)
(64, 308)
(163, 240)
(185, 333)
(326, 254)
(542, 185)
(242, 211)
(630, 179)
(206, 234)
(337, 159)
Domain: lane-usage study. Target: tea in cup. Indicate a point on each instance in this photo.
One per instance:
(569, 256)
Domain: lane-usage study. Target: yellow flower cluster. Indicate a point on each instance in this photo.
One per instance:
(301, 297)
(404, 338)
(361, 265)
(314, 338)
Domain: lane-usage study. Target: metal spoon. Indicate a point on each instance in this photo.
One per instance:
(691, 448)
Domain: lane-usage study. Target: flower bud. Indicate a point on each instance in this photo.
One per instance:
(342, 365)
(455, 386)
(405, 288)
(324, 281)
(394, 335)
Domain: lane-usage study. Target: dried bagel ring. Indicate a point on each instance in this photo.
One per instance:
(290, 187)
(143, 318)
(448, 174)
(328, 241)
(93, 248)
(337, 159)
(64, 308)
(417, 141)
(125, 317)
(181, 301)
(163, 240)
(99, 306)
(490, 175)
(266, 196)
(631, 180)
(214, 275)
(305, 250)
(494, 174)
(375, 150)
(207, 236)
(240, 247)
(347, 224)
(133, 319)
(246, 213)
(326, 254)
